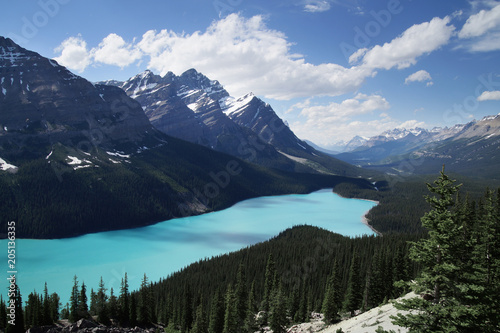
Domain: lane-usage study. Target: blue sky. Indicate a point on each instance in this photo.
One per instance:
(332, 69)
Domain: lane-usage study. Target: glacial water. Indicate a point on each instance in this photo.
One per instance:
(161, 249)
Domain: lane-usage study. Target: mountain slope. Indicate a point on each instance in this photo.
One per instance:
(471, 149)
(79, 158)
(197, 109)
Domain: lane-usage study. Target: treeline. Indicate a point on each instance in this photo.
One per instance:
(272, 283)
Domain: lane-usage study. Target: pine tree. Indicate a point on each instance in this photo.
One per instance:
(101, 304)
(241, 296)
(124, 302)
(83, 308)
(277, 317)
(145, 302)
(354, 294)
(93, 302)
(250, 324)
(200, 322)
(440, 280)
(46, 317)
(217, 312)
(231, 313)
(268, 286)
(113, 305)
(54, 306)
(74, 301)
(187, 310)
(133, 311)
(332, 301)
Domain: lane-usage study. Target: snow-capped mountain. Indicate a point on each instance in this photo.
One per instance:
(194, 108)
(459, 145)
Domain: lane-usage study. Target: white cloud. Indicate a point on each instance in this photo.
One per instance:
(113, 50)
(420, 76)
(316, 6)
(74, 54)
(245, 55)
(489, 96)
(481, 31)
(480, 23)
(403, 51)
(325, 124)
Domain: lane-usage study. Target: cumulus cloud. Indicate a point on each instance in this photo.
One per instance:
(113, 50)
(316, 6)
(489, 96)
(420, 76)
(245, 55)
(74, 54)
(481, 31)
(403, 51)
(325, 124)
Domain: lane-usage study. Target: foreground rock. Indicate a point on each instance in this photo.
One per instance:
(88, 326)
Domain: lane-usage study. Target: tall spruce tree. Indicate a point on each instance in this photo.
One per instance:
(354, 294)
(83, 308)
(16, 324)
(278, 316)
(217, 312)
(102, 304)
(452, 280)
(124, 302)
(333, 294)
(74, 301)
(231, 314)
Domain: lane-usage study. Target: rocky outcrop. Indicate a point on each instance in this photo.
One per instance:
(88, 326)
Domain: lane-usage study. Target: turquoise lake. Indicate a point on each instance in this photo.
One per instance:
(161, 249)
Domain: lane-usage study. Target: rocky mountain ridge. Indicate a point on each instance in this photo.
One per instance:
(194, 108)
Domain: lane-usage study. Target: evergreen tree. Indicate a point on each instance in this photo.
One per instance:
(101, 304)
(74, 301)
(46, 317)
(113, 305)
(448, 289)
(250, 324)
(354, 294)
(277, 317)
(231, 313)
(83, 308)
(241, 296)
(124, 302)
(270, 276)
(187, 310)
(93, 302)
(200, 322)
(133, 311)
(332, 301)
(145, 303)
(54, 306)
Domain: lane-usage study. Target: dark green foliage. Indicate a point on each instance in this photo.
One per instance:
(124, 302)
(145, 308)
(332, 299)
(354, 294)
(51, 200)
(3, 314)
(460, 261)
(217, 313)
(74, 301)
(231, 313)
(278, 311)
(101, 304)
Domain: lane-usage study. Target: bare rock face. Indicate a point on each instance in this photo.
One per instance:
(43, 102)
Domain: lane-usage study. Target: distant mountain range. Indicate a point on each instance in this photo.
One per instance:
(472, 149)
(194, 108)
(77, 157)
